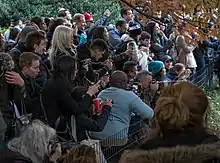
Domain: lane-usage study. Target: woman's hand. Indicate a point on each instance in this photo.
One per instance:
(93, 89)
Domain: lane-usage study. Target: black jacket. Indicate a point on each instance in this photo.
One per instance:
(44, 73)
(96, 123)
(190, 137)
(58, 101)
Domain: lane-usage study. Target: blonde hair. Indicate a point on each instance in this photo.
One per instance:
(180, 105)
(61, 41)
(33, 141)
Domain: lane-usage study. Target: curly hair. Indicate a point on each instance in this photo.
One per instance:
(180, 105)
(80, 154)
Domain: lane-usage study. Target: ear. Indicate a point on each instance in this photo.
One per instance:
(35, 47)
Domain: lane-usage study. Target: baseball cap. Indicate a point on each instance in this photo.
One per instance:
(88, 17)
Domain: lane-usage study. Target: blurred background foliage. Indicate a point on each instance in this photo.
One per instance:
(49, 8)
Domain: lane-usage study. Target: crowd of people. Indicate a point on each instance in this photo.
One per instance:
(69, 80)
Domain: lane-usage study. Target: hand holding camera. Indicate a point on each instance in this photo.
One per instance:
(154, 86)
(93, 89)
(108, 63)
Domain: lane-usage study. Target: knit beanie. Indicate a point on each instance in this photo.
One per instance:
(155, 66)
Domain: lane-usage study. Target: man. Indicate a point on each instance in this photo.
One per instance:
(147, 87)
(21, 47)
(16, 22)
(124, 104)
(65, 14)
(29, 68)
(89, 20)
(115, 34)
(130, 69)
(127, 14)
(90, 67)
(36, 43)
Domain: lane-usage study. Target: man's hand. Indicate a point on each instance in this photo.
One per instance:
(109, 64)
(14, 78)
(129, 52)
(154, 86)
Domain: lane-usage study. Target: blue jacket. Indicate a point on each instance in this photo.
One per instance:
(124, 104)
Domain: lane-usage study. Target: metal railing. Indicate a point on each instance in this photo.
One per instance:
(113, 146)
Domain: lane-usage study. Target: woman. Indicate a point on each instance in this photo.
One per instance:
(62, 42)
(31, 146)
(181, 121)
(185, 53)
(57, 92)
(157, 68)
(159, 42)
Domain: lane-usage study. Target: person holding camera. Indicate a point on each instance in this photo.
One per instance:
(57, 100)
(91, 70)
(32, 146)
(147, 87)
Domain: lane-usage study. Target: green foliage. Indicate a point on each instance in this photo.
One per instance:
(214, 96)
(49, 8)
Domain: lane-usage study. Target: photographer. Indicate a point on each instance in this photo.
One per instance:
(57, 99)
(32, 146)
(90, 68)
(11, 93)
(147, 88)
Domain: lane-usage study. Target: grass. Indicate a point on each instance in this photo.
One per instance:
(214, 96)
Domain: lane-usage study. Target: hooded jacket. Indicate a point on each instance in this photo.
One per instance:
(203, 153)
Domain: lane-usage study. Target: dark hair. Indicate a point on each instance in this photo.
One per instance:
(14, 33)
(33, 38)
(141, 74)
(62, 13)
(26, 59)
(77, 17)
(145, 35)
(47, 21)
(38, 20)
(129, 66)
(55, 23)
(98, 33)
(119, 23)
(124, 12)
(99, 44)
(178, 67)
(150, 29)
(64, 69)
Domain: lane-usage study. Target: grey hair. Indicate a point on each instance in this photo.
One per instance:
(33, 142)
(142, 74)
